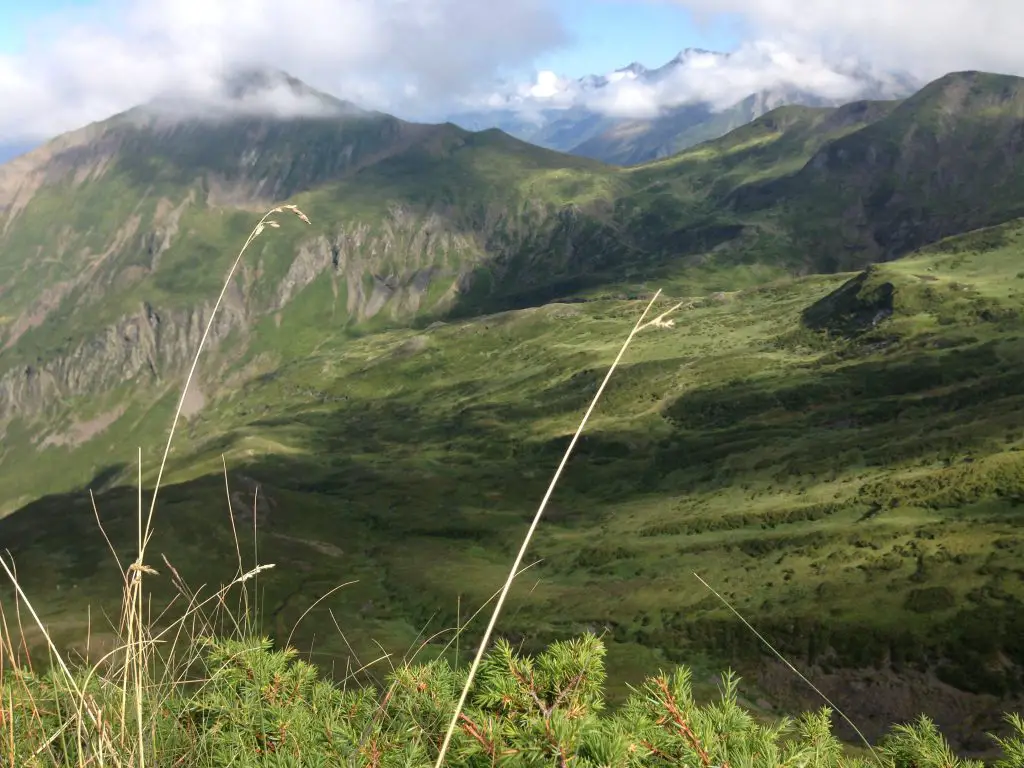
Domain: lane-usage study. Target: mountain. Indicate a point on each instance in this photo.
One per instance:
(256, 92)
(830, 434)
(114, 238)
(632, 142)
(698, 96)
(941, 162)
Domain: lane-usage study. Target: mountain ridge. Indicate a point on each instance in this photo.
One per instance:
(247, 163)
(918, 174)
(399, 377)
(571, 116)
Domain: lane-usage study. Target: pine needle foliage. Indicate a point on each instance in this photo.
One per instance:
(256, 706)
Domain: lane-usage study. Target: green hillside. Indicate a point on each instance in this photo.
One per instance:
(938, 164)
(391, 388)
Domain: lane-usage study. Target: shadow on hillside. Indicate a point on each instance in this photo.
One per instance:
(873, 413)
(389, 458)
(454, 470)
(69, 517)
(398, 465)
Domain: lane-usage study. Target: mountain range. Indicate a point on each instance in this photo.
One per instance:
(831, 431)
(636, 114)
(633, 114)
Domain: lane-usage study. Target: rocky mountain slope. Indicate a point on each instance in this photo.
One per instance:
(114, 238)
(395, 381)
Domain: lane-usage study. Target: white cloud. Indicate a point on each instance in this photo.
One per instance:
(829, 48)
(625, 99)
(926, 37)
(415, 57)
(719, 80)
(378, 54)
(752, 68)
(548, 85)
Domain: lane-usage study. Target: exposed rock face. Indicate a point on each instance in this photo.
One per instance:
(405, 263)
(142, 347)
(426, 248)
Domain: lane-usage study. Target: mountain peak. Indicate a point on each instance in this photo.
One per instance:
(968, 91)
(635, 113)
(253, 91)
(689, 53)
(249, 81)
(633, 68)
(980, 82)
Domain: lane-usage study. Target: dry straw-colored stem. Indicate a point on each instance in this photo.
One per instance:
(264, 222)
(793, 669)
(134, 625)
(659, 321)
(84, 702)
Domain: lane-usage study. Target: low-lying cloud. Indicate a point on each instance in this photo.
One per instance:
(247, 92)
(380, 54)
(833, 49)
(719, 80)
(424, 58)
(928, 38)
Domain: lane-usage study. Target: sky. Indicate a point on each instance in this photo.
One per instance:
(605, 35)
(65, 63)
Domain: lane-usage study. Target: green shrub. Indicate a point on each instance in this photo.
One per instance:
(930, 599)
(257, 706)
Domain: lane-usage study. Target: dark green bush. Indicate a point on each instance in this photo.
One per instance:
(256, 706)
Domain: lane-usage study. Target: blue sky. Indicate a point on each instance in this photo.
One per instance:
(605, 34)
(609, 34)
(65, 63)
(19, 20)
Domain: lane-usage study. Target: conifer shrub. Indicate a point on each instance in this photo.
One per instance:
(254, 705)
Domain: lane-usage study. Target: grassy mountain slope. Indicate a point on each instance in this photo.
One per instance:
(639, 141)
(771, 147)
(855, 497)
(620, 140)
(115, 240)
(837, 453)
(943, 161)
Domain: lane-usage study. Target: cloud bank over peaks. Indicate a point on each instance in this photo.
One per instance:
(699, 76)
(248, 91)
(86, 64)
(927, 37)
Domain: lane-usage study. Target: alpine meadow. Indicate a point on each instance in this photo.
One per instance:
(789, 534)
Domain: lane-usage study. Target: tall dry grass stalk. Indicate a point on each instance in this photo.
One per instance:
(138, 643)
(263, 223)
(661, 321)
(790, 666)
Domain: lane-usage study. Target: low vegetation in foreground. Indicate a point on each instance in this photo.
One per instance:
(243, 703)
(840, 456)
(205, 689)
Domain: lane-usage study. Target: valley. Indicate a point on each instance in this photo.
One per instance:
(830, 434)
